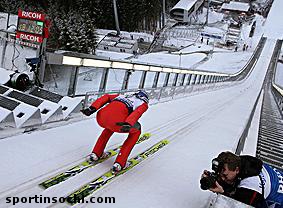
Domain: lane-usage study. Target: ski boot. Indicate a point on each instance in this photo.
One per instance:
(94, 158)
(116, 168)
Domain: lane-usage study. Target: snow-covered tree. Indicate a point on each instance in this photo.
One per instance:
(73, 22)
(77, 30)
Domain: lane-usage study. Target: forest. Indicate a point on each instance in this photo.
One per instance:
(73, 23)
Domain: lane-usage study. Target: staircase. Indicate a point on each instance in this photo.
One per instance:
(270, 137)
(233, 34)
(270, 140)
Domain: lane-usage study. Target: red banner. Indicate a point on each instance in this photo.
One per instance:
(31, 15)
(29, 37)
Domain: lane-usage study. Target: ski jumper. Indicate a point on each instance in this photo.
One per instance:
(119, 108)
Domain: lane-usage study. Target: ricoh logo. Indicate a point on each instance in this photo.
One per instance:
(31, 15)
(29, 37)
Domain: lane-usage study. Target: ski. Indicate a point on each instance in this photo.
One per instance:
(85, 165)
(79, 195)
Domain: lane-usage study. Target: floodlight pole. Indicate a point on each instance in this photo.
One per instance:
(5, 42)
(116, 17)
(208, 3)
(163, 13)
(8, 20)
(41, 54)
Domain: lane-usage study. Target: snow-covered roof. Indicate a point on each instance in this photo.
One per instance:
(184, 4)
(236, 6)
(184, 8)
(213, 30)
(217, 1)
(112, 38)
(128, 41)
(122, 45)
(117, 42)
(107, 43)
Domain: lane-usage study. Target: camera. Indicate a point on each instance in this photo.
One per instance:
(209, 181)
(19, 81)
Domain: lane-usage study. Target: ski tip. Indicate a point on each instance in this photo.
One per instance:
(143, 137)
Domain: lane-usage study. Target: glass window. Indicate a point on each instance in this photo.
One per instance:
(89, 79)
(180, 79)
(161, 79)
(134, 80)
(115, 79)
(171, 79)
(187, 79)
(57, 78)
(149, 79)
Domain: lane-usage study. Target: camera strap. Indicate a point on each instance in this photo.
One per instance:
(264, 204)
(262, 185)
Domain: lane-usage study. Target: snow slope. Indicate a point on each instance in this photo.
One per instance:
(169, 178)
(198, 127)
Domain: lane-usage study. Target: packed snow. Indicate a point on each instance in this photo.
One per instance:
(198, 127)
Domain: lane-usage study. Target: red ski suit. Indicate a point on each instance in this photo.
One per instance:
(108, 116)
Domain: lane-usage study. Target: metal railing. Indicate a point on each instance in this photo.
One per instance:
(162, 94)
(278, 95)
(266, 106)
(195, 83)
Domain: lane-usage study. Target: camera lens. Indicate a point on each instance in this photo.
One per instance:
(204, 183)
(207, 182)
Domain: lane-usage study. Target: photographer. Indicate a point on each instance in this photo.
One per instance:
(246, 179)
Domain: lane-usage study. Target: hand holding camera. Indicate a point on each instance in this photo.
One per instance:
(208, 179)
(218, 188)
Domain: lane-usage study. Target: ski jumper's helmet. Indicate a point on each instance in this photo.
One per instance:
(143, 95)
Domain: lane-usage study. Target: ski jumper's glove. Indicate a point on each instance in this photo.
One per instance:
(88, 111)
(125, 127)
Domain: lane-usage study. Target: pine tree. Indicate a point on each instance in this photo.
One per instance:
(104, 16)
(73, 22)
(80, 37)
(128, 14)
